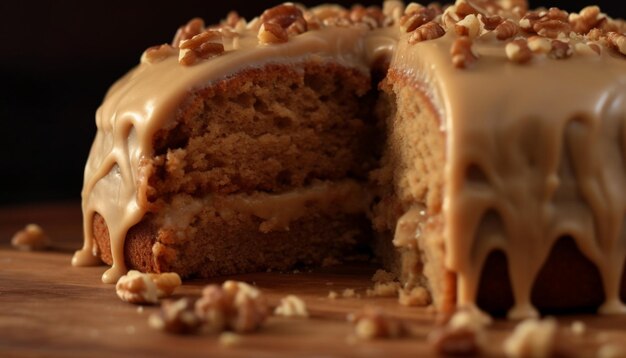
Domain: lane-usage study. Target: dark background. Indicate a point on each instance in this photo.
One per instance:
(57, 60)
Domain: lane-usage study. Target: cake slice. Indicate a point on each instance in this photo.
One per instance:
(488, 160)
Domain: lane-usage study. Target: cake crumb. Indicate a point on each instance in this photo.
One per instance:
(292, 306)
(383, 289)
(140, 309)
(229, 339)
(333, 295)
(532, 338)
(31, 238)
(415, 297)
(373, 323)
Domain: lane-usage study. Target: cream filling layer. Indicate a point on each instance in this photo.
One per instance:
(277, 211)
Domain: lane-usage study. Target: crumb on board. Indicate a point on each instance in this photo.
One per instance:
(292, 306)
(31, 238)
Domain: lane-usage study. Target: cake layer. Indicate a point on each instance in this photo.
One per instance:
(273, 128)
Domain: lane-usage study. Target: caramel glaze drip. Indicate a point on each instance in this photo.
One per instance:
(534, 153)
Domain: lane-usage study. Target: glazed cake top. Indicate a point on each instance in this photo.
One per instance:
(491, 68)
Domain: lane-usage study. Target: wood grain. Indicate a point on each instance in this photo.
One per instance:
(49, 308)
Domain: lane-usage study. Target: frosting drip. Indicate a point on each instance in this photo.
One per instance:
(535, 153)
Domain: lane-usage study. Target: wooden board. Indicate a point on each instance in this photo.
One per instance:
(49, 308)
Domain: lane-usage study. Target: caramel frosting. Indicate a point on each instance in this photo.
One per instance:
(146, 100)
(532, 104)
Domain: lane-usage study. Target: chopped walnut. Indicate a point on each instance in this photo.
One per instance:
(412, 8)
(416, 17)
(234, 306)
(588, 18)
(463, 56)
(595, 35)
(532, 338)
(232, 19)
(272, 34)
(393, 10)
(618, 41)
(549, 23)
(371, 16)
(463, 9)
(292, 306)
(142, 288)
(506, 30)
(158, 53)
(176, 317)
(454, 342)
(561, 50)
(518, 51)
(587, 49)
(214, 307)
(202, 46)
(194, 27)
(426, 32)
(136, 287)
(470, 26)
(463, 334)
(538, 44)
(288, 16)
(491, 22)
(372, 323)
(31, 238)
(166, 283)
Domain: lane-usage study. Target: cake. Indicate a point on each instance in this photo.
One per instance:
(477, 148)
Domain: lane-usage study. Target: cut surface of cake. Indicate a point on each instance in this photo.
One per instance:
(477, 148)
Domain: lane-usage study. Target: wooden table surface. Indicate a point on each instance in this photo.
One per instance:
(49, 308)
